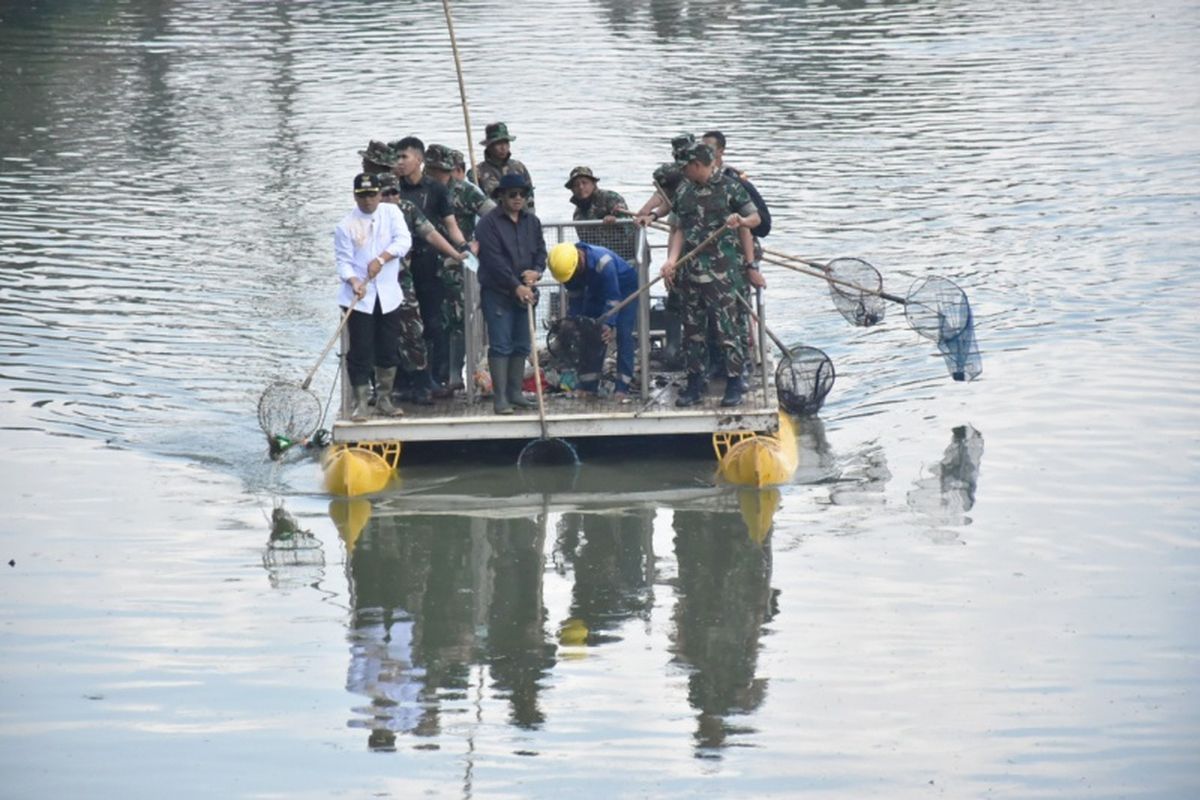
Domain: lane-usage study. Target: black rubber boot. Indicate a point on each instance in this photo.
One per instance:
(422, 387)
(499, 369)
(733, 392)
(516, 381)
(694, 393)
(673, 347)
(458, 357)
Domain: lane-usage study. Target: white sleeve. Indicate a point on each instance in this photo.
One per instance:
(343, 253)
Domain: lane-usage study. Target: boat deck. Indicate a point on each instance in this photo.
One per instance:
(570, 417)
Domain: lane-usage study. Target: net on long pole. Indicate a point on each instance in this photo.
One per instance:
(288, 412)
(803, 379)
(856, 291)
(938, 309)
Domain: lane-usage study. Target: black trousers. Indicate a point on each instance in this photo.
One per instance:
(374, 339)
(431, 296)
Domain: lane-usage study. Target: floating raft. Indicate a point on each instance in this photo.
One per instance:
(467, 431)
(460, 425)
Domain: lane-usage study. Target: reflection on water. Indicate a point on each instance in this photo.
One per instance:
(169, 176)
(611, 558)
(947, 493)
(724, 598)
(434, 595)
(443, 603)
(293, 556)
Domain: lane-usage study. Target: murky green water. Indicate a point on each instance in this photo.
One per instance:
(969, 590)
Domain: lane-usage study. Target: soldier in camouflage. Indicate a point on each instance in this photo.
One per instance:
(667, 178)
(592, 202)
(498, 162)
(413, 353)
(716, 140)
(377, 158)
(469, 202)
(703, 203)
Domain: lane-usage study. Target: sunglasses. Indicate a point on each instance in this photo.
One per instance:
(391, 192)
(511, 193)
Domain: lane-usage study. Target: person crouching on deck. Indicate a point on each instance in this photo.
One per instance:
(368, 243)
(512, 257)
(597, 280)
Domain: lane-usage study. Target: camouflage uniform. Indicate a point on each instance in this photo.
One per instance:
(469, 203)
(413, 354)
(488, 173)
(707, 283)
(606, 203)
(668, 177)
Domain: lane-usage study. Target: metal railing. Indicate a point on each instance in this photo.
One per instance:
(624, 237)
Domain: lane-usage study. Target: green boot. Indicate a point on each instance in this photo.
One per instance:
(361, 409)
(499, 368)
(516, 379)
(384, 379)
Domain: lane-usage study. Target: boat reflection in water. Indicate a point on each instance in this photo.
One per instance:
(450, 623)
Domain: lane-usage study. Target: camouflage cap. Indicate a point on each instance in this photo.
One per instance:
(699, 151)
(680, 143)
(378, 153)
(496, 132)
(457, 158)
(439, 156)
(580, 172)
(387, 181)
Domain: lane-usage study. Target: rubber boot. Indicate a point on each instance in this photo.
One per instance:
(361, 409)
(458, 357)
(516, 380)
(384, 379)
(733, 392)
(499, 369)
(422, 387)
(694, 393)
(673, 349)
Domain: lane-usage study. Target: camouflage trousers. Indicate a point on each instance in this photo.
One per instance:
(712, 303)
(453, 310)
(413, 355)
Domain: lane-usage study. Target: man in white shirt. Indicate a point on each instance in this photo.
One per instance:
(368, 244)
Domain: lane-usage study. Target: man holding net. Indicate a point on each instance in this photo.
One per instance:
(704, 202)
(368, 244)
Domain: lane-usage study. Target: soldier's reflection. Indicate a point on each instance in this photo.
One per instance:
(433, 595)
(613, 560)
(725, 597)
(519, 653)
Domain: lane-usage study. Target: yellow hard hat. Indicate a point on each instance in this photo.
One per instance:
(564, 259)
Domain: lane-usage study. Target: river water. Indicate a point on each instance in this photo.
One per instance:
(982, 589)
